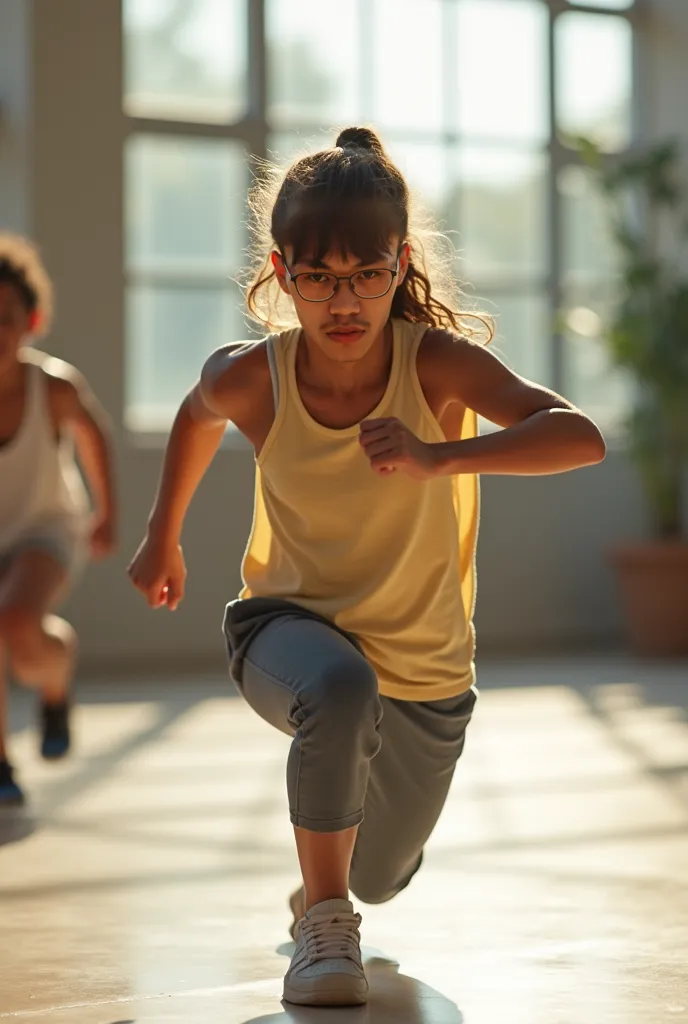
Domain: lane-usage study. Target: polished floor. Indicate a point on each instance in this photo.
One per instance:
(146, 879)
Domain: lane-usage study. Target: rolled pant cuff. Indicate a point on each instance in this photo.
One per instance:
(326, 824)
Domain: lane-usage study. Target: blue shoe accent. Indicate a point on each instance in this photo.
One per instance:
(54, 747)
(10, 793)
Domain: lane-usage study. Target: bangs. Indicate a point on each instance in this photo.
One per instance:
(361, 228)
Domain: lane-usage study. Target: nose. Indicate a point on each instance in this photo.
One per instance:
(344, 301)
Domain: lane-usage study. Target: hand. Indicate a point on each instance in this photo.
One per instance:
(390, 445)
(158, 571)
(103, 539)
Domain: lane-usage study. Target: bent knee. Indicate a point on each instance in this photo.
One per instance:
(371, 883)
(374, 890)
(347, 688)
(20, 628)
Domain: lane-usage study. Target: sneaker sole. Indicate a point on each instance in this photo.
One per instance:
(328, 993)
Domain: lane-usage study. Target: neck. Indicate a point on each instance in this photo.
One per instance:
(316, 370)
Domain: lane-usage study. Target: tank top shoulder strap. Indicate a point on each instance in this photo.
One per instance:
(280, 350)
(37, 398)
(274, 372)
(410, 338)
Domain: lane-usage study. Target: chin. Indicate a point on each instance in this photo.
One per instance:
(346, 352)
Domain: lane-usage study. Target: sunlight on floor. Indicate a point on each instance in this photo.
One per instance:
(147, 878)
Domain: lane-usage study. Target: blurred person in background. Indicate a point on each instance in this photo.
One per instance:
(47, 529)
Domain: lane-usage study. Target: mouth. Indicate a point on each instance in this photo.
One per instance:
(346, 335)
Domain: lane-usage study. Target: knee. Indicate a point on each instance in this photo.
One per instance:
(374, 882)
(20, 632)
(347, 689)
(372, 890)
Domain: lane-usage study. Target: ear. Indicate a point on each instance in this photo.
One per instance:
(35, 320)
(404, 258)
(280, 271)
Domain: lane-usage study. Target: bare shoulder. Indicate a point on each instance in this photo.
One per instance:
(236, 366)
(442, 357)
(59, 375)
(66, 386)
(236, 385)
(234, 371)
(442, 348)
(466, 371)
(462, 363)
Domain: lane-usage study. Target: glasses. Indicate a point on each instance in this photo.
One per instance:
(318, 286)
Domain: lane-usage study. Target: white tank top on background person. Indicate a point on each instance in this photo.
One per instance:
(41, 488)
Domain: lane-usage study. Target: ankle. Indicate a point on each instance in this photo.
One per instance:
(314, 896)
(55, 696)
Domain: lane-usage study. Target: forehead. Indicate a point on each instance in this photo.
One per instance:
(10, 296)
(343, 262)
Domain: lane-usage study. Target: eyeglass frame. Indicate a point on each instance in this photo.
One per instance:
(343, 277)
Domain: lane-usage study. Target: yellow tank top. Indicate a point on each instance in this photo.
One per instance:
(388, 558)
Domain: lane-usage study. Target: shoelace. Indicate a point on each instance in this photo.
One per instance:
(327, 937)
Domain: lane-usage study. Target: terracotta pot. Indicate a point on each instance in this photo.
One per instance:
(653, 578)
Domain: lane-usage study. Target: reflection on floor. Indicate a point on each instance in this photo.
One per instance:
(147, 878)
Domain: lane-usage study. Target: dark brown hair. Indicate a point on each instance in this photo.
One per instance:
(22, 267)
(351, 199)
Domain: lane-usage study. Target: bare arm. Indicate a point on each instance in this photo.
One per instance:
(75, 408)
(542, 433)
(224, 392)
(191, 447)
(231, 387)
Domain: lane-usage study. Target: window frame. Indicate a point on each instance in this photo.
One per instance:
(255, 132)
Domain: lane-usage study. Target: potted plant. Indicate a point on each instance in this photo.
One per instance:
(648, 337)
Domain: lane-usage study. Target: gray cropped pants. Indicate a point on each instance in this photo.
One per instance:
(357, 758)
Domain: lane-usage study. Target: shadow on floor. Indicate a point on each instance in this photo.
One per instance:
(394, 999)
(15, 825)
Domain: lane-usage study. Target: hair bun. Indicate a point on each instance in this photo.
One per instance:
(360, 138)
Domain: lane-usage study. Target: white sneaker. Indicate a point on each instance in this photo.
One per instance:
(326, 969)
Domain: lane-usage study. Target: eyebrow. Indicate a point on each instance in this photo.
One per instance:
(321, 265)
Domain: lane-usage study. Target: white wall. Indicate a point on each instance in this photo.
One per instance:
(543, 577)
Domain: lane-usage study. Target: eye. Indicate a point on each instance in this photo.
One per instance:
(317, 278)
(370, 275)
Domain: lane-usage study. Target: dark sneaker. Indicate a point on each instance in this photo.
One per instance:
(55, 739)
(10, 792)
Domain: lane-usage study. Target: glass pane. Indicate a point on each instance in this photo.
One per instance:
(185, 205)
(500, 203)
(425, 168)
(286, 146)
(401, 100)
(593, 82)
(313, 60)
(591, 382)
(589, 251)
(170, 332)
(607, 5)
(500, 63)
(185, 59)
(523, 330)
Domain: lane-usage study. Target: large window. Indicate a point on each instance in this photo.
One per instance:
(475, 99)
